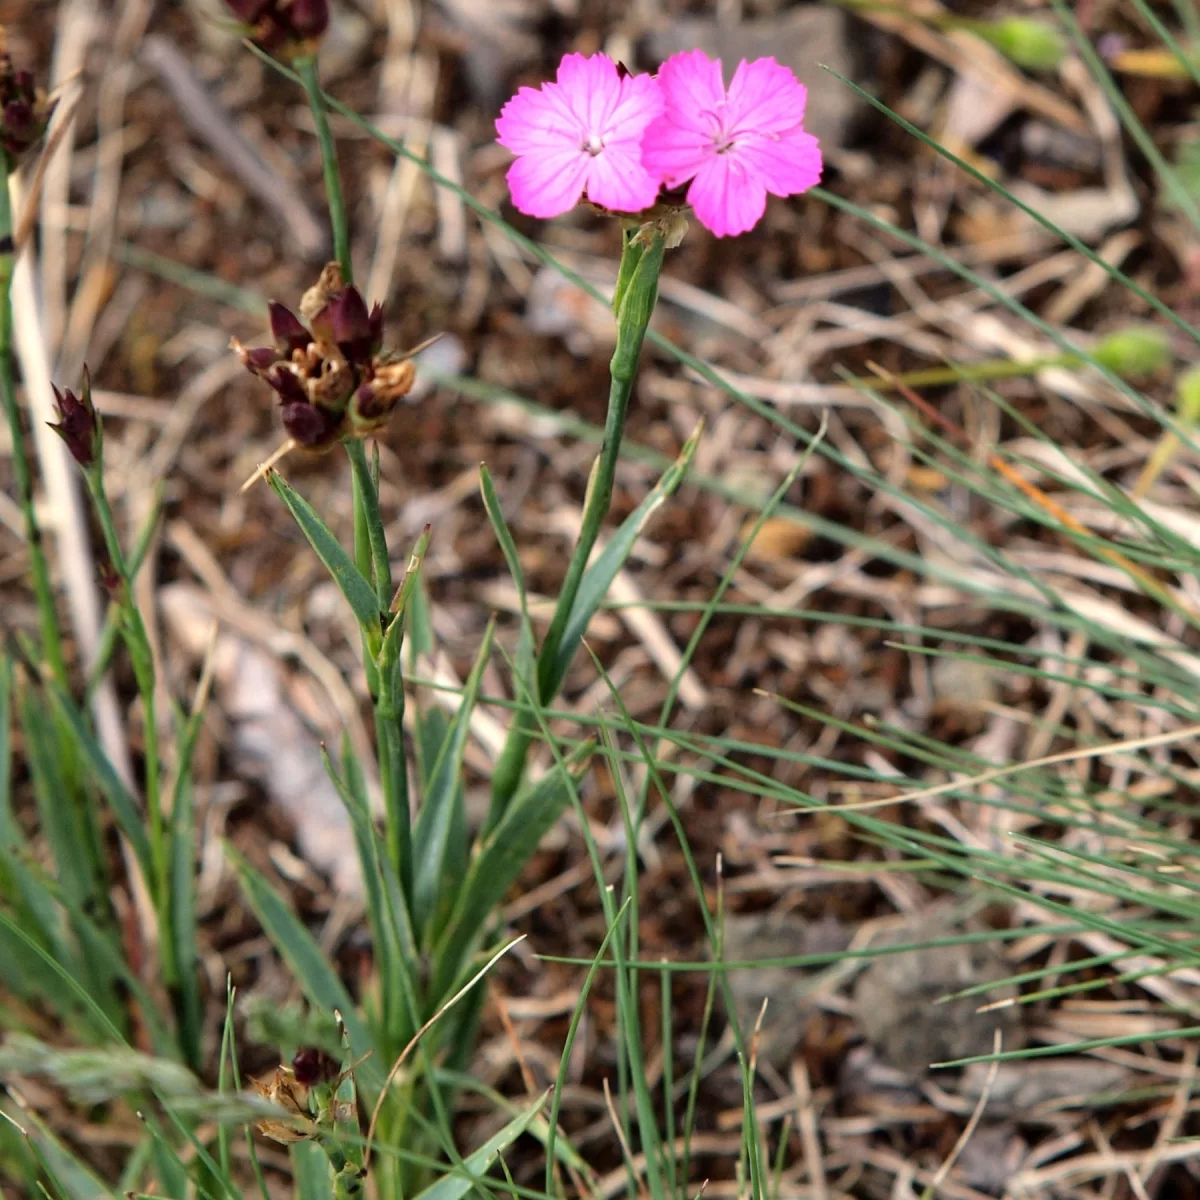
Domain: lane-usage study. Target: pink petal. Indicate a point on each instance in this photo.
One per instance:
(548, 183)
(538, 119)
(675, 153)
(786, 165)
(693, 89)
(640, 102)
(616, 179)
(764, 97)
(591, 86)
(726, 197)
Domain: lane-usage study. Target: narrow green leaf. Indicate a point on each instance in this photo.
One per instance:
(312, 970)
(61, 1169)
(501, 860)
(123, 805)
(359, 594)
(457, 1184)
(8, 827)
(183, 917)
(58, 806)
(87, 1002)
(599, 576)
(491, 503)
(432, 890)
(312, 1178)
(183, 889)
(387, 915)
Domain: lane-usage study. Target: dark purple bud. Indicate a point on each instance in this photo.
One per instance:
(288, 26)
(309, 426)
(290, 389)
(312, 1066)
(308, 18)
(370, 404)
(25, 110)
(350, 326)
(376, 328)
(260, 358)
(78, 424)
(248, 10)
(110, 580)
(287, 329)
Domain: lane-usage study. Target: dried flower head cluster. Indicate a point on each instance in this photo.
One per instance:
(332, 379)
(25, 109)
(78, 422)
(306, 1091)
(289, 28)
(619, 138)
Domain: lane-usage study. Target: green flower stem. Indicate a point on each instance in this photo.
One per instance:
(137, 641)
(306, 68)
(393, 777)
(387, 696)
(43, 592)
(384, 677)
(633, 301)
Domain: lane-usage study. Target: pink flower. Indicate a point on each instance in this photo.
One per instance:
(734, 146)
(582, 133)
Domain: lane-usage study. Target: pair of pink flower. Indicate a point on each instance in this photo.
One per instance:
(620, 137)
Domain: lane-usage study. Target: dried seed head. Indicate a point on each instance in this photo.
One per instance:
(332, 380)
(78, 422)
(281, 1088)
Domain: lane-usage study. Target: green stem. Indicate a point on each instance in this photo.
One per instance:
(634, 300)
(137, 641)
(43, 592)
(633, 318)
(997, 368)
(306, 68)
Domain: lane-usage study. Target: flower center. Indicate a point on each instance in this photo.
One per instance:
(592, 143)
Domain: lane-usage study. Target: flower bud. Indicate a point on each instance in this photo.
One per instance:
(78, 423)
(287, 329)
(311, 1066)
(1035, 45)
(375, 400)
(1187, 397)
(1135, 353)
(290, 28)
(309, 426)
(25, 110)
(352, 328)
(110, 580)
(326, 366)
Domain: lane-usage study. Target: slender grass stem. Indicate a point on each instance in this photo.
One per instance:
(43, 592)
(306, 68)
(1004, 368)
